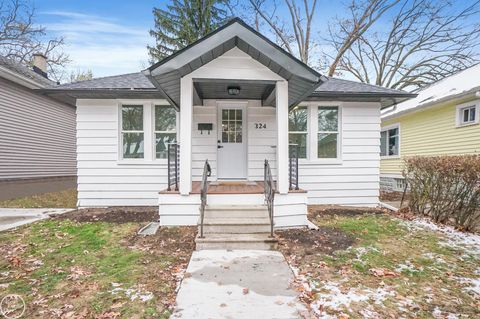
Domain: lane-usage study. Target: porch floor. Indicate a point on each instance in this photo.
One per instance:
(229, 187)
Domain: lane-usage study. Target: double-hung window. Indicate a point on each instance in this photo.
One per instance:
(165, 129)
(132, 131)
(390, 141)
(298, 129)
(328, 132)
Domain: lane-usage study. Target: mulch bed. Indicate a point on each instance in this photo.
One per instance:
(112, 215)
(393, 196)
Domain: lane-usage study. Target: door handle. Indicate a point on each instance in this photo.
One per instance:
(219, 146)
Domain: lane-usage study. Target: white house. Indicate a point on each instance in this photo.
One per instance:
(236, 99)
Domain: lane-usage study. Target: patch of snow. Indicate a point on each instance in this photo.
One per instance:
(436, 257)
(468, 242)
(439, 314)
(473, 284)
(331, 296)
(361, 251)
(408, 266)
(133, 294)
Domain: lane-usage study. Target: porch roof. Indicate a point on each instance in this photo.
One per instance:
(162, 80)
(166, 74)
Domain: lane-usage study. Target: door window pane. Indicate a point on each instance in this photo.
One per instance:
(232, 126)
(132, 145)
(327, 145)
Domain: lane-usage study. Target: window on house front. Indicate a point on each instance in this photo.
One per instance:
(390, 142)
(165, 129)
(297, 130)
(132, 131)
(328, 131)
(468, 115)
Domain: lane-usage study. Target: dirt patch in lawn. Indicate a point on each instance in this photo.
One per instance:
(323, 211)
(112, 215)
(306, 242)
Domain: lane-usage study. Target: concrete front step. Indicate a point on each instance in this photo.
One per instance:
(236, 225)
(236, 241)
(236, 211)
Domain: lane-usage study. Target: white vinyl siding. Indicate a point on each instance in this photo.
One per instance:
(104, 179)
(37, 135)
(353, 180)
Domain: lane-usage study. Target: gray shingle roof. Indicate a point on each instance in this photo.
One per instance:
(25, 71)
(335, 85)
(138, 81)
(123, 81)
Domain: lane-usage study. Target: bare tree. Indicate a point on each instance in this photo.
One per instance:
(344, 32)
(294, 34)
(81, 75)
(20, 37)
(425, 42)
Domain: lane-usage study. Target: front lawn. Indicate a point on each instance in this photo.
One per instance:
(373, 265)
(69, 269)
(62, 199)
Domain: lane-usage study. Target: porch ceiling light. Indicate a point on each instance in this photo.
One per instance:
(233, 90)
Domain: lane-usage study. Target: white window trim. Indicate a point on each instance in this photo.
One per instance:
(459, 114)
(307, 132)
(148, 133)
(121, 131)
(315, 132)
(177, 124)
(389, 127)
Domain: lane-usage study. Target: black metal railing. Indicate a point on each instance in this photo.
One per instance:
(269, 192)
(173, 160)
(293, 167)
(203, 193)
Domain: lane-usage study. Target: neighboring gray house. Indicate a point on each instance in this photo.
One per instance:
(37, 133)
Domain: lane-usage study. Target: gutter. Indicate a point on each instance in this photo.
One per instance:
(475, 92)
(19, 79)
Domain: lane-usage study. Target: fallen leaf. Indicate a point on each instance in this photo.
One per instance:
(246, 291)
(382, 272)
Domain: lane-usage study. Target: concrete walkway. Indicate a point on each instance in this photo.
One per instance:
(237, 284)
(15, 217)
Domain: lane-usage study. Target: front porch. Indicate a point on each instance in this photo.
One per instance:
(229, 187)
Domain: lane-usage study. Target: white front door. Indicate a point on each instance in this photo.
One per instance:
(232, 142)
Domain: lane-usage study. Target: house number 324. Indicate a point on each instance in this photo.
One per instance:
(260, 126)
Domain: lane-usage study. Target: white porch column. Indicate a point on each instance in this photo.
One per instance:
(282, 136)
(185, 140)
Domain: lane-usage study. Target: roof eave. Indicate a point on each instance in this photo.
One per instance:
(19, 79)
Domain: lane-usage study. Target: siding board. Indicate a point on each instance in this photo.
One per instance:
(37, 134)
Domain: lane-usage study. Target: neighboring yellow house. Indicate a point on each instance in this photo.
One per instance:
(442, 120)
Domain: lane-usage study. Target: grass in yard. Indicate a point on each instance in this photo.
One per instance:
(390, 271)
(66, 269)
(63, 199)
